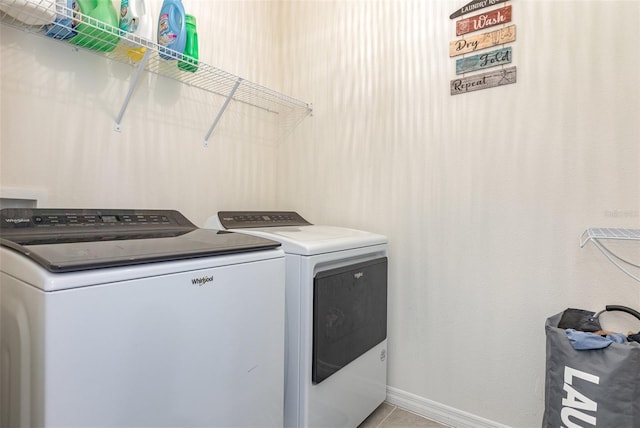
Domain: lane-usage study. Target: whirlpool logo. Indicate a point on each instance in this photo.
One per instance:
(17, 220)
(202, 280)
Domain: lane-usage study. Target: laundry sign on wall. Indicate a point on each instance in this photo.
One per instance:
(482, 21)
(482, 41)
(484, 60)
(469, 43)
(474, 6)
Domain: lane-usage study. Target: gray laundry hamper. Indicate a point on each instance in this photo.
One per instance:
(591, 388)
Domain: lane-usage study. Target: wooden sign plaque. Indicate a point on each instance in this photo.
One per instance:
(481, 81)
(485, 60)
(482, 41)
(473, 6)
(484, 20)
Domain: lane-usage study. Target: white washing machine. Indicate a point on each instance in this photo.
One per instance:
(137, 318)
(336, 317)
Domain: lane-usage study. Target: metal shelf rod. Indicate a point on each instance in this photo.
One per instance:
(132, 87)
(222, 109)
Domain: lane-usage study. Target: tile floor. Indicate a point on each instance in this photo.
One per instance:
(390, 416)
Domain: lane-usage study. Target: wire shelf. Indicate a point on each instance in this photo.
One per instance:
(596, 234)
(609, 233)
(51, 19)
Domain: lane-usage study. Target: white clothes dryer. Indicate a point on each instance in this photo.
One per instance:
(137, 318)
(336, 316)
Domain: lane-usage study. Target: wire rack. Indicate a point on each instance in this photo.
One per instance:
(610, 233)
(595, 235)
(54, 20)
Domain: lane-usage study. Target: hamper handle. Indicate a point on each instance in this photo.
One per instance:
(626, 309)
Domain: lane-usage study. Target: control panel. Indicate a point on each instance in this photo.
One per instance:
(37, 223)
(249, 219)
(97, 219)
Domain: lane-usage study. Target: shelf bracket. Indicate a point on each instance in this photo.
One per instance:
(222, 109)
(132, 86)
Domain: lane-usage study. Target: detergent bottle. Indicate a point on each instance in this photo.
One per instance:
(64, 26)
(135, 19)
(172, 34)
(189, 61)
(100, 33)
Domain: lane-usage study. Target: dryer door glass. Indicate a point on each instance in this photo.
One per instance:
(349, 314)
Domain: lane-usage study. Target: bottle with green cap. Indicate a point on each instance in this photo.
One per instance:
(189, 61)
(99, 28)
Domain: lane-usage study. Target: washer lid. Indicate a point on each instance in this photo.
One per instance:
(296, 234)
(64, 240)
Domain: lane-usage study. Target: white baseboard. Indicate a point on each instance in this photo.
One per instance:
(436, 411)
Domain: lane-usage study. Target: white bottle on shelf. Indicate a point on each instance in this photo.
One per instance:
(135, 18)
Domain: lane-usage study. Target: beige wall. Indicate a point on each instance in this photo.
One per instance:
(483, 196)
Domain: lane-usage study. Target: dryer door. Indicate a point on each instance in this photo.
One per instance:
(349, 314)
